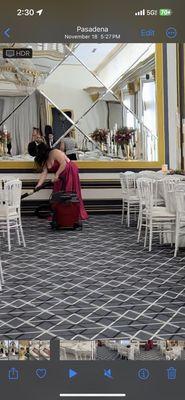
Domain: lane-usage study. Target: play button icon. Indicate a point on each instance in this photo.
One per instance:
(72, 373)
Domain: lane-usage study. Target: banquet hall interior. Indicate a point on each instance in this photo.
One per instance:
(24, 350)
(122, 276)
(122, 349)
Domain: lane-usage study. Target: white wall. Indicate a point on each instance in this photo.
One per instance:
(96, 118)
(65, 88)
(124, 61)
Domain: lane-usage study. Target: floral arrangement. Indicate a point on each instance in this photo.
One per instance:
(124, 135)
(5, 143)
(100, 135)
(5, 137)
(2, 137)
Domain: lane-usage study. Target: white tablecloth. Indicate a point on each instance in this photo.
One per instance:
(171, 205)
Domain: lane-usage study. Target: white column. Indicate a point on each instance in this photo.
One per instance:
(173, 114)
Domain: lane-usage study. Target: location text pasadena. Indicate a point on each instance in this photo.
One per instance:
(92, 29)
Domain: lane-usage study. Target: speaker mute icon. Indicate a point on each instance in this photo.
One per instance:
(108, 373)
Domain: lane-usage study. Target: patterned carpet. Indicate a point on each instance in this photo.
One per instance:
(98, 283)
(103, 353)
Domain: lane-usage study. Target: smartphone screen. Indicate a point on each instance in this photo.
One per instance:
(92, 200)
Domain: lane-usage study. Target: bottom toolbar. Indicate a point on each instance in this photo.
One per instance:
(94, 380)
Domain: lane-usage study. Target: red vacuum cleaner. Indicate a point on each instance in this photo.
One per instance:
(63, 210)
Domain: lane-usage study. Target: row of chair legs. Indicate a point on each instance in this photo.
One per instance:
(129, 208)
(5, 227)
(8, 225)
(164, 229)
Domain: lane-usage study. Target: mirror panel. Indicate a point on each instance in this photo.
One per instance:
(20, 77)
(37, 111)
(119, 122)
(117, 131)
(109, 62)
(19, 127)
(71, 86)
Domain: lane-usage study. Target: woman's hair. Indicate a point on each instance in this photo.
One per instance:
(40, 152)
(48, 130)
(32, 149)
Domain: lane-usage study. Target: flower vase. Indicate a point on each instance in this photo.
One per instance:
(128, 152)
(1, 149)
(124, 150)
(9, 146)
(5, 150)
(102, 147)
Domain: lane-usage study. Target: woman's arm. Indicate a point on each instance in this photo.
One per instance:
(42, 177)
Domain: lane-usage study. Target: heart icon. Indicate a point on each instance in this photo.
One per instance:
(41, 373)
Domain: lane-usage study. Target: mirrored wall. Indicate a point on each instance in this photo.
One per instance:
(101, 95)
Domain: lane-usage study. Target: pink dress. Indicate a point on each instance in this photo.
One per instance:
(69, 181)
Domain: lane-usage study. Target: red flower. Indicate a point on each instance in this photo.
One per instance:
(100, 135)
(124, 135)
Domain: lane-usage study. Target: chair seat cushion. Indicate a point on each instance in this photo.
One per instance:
(10, 211)
(131, 198)
(159, 200)
(161, 212)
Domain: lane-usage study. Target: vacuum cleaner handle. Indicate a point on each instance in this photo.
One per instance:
(36, 189)
(26, 195)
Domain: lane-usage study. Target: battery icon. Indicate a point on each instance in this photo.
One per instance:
(165, 12)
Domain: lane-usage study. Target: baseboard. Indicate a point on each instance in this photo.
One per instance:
(102, 206)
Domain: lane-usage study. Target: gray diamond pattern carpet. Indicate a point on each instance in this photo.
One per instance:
(98, 283)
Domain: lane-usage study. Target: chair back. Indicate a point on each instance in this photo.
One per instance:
(9, 178)
(147, 193)
(179, 186)
(169, 184)
(147, 174)
(160, 173)
(180, 200)
(128, 182)
(12, 193)
(140, 190)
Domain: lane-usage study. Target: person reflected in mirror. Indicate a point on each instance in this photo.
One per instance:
(37, 135)
(49, 137)
(66, 172)
(9, 143)
(69, 146)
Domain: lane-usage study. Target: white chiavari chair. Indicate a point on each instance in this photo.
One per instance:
(180, 215)
(157, 219)
(130, 199)
(169, 184)
(10, 212)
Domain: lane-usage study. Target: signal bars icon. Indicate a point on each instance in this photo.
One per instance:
(141, 12)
